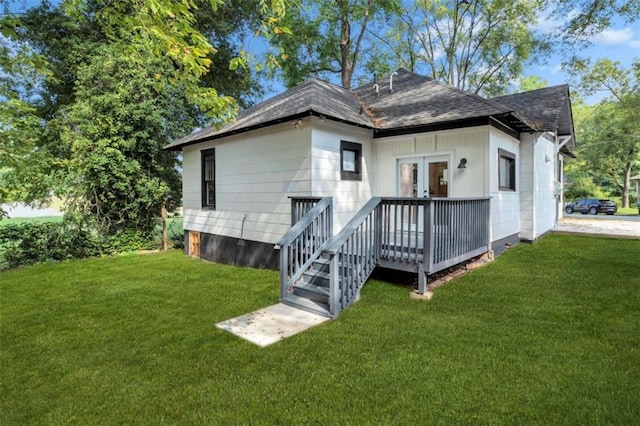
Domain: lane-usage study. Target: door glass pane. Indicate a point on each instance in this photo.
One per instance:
(438, 179)
(409, 180)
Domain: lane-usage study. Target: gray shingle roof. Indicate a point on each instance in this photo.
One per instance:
(550, 108)
(312, 96)
(414, 101)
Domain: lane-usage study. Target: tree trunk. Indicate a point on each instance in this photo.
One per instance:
(345, 51)
(626, 185)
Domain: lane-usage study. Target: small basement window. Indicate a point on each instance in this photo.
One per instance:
(350, 161)
(506, 170)
(209, 178)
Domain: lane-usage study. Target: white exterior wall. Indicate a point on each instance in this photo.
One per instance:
(348, 196)
(471, 143)
(538, 165)
(505, 205)
(255, 173)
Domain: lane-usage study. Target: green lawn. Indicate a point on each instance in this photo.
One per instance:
(549, 333)
(627, 211)
(16, 220)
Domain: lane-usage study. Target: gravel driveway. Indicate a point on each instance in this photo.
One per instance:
(619, 226)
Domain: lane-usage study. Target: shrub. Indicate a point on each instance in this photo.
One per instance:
(129, 240)
(37, 242)
(582, 187)
(28, 243)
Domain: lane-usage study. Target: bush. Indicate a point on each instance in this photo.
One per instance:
(37, 242)
(129, 240)
(28, 243)
(582, 187)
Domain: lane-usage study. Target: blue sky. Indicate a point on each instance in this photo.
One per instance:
(619, 43)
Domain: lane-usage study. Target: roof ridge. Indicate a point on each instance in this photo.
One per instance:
(556, 86)
(488, 101)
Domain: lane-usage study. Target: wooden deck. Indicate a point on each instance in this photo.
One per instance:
(422, 235)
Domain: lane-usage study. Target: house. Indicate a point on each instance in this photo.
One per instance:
(407, 173)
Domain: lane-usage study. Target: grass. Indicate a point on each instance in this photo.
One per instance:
(16, 220)
(627, 211)
(549, 333)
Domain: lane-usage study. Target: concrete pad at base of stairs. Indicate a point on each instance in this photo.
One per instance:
(272, 324)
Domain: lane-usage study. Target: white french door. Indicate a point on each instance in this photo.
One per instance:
(422, 177)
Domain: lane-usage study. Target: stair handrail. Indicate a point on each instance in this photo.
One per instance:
(313, 231)
(338, 241)
(357, 248)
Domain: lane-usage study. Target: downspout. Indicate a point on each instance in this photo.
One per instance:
(558, 180)
(240, 241)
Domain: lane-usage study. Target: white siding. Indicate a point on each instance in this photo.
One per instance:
(255, 173)
(505, 205)
(538, 175)
(348, 196)
(471, 143)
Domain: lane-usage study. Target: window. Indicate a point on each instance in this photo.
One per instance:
(506, 170)
(350, 161)
(209, 178)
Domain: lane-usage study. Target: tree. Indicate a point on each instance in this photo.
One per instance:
(176, 38)
(23, 167)
(475, 45)
(590, 17)
(118, 174)
(532, 82)
(329, 39)
(610, 134)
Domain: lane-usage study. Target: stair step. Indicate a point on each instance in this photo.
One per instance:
(307, 305)
(318, 278)
(321, 264)
(312, 292)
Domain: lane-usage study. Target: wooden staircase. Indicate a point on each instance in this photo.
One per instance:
(323, 273)
(312, 291)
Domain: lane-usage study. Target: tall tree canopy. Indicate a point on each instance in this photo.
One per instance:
(581, 20)
(118, 174)
(475, 45)
(119, 81)
(329, 38)
(609, 132)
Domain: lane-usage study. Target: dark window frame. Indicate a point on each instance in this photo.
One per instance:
(357, 149)
(511, 157)
(205, 154)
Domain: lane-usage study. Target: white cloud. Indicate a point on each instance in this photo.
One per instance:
(551, 69)
(614, 37)
(635, 44)
(548, 22)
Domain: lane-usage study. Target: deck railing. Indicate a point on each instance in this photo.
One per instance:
(423, 235)
(402, 234)
(304, 242)
(428, 235)
(300, 206)
(353, 254)
(458, 230)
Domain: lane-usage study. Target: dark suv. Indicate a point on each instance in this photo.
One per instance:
(592, 206)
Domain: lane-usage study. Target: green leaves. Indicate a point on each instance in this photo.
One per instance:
(608, 134)
(118, 174)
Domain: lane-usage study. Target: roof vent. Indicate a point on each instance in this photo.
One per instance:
(391, 81)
